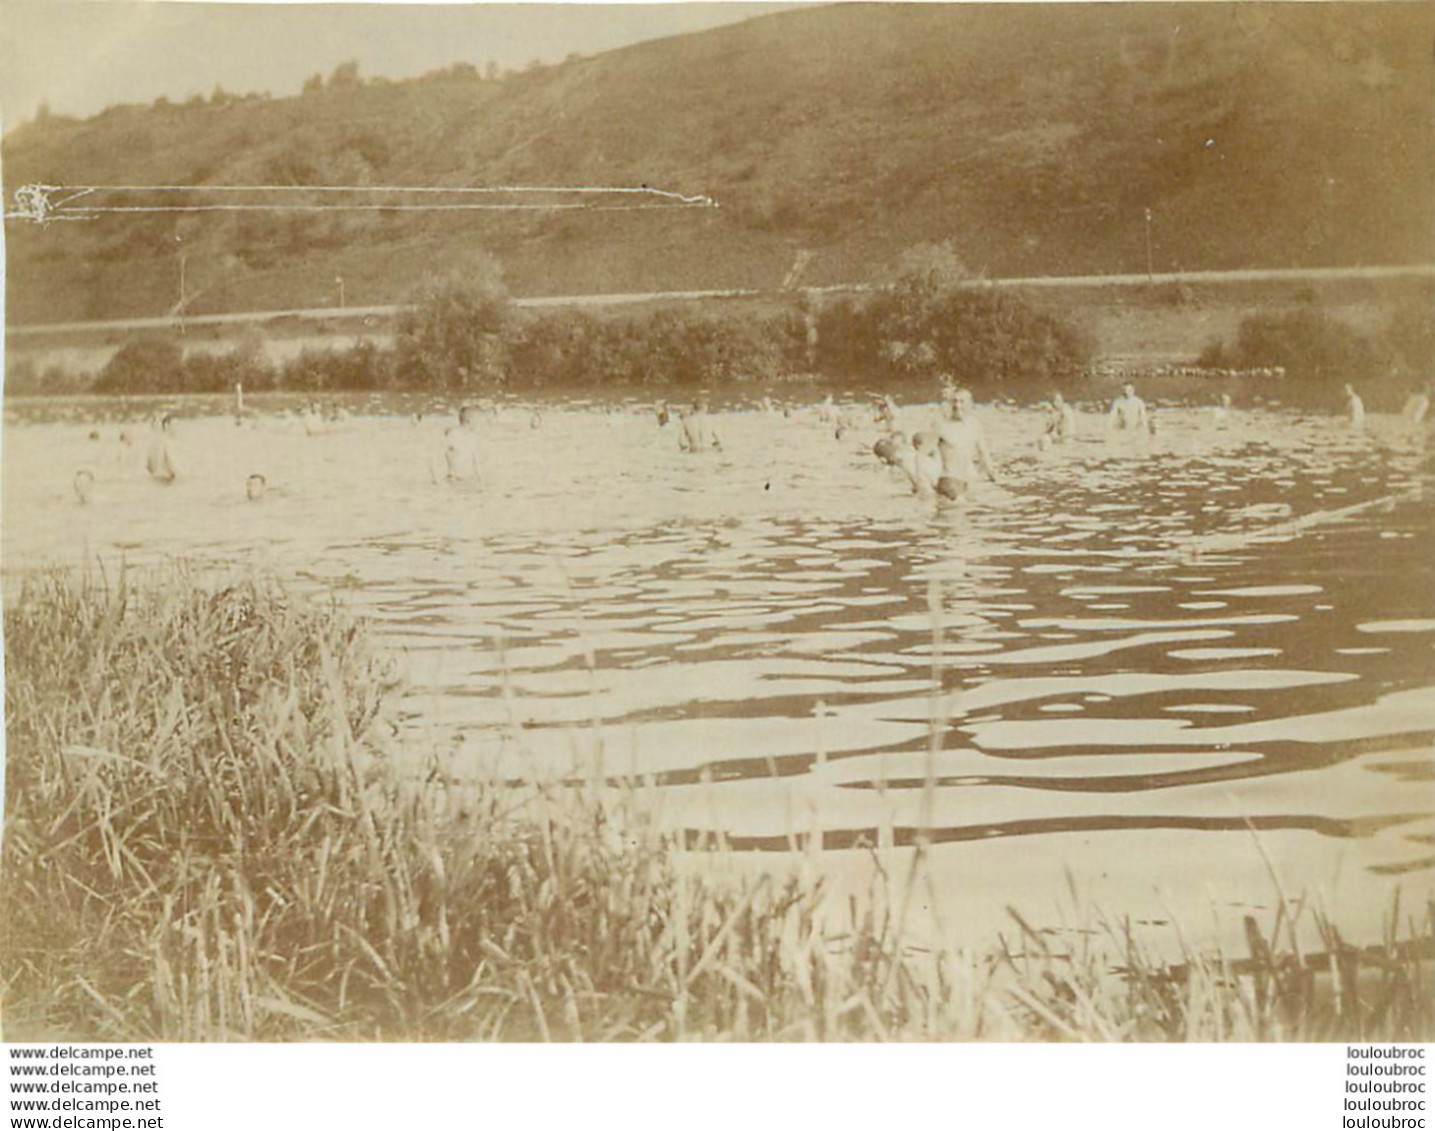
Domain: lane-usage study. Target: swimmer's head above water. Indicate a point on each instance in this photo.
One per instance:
(255, 486)
(888, 448)
(84, 484)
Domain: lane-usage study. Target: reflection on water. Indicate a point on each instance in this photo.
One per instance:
(1141, 652)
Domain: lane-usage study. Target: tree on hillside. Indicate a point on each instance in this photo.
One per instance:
(930, 269)
(345, 76)
(455, 336)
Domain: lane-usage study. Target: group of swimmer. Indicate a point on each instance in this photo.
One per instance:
(459, 459)
(162, 463)
(316, 419)
(1414, 412)
(946, 460)
(950, 458)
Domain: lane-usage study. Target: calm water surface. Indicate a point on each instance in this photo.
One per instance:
(1155, 661)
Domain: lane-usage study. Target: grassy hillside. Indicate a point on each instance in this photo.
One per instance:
(1034, 137)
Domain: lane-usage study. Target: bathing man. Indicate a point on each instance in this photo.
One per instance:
(1418, 406)
(1355, 408)
(313, 419)
(1222, 412)
(1060, 421)
(460, 448)
(1128, 413)
(160, 461)
(962, 446)
(698, 434)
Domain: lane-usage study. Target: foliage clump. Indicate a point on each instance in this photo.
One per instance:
(936, 317)
(455, 336)
(1312, 347)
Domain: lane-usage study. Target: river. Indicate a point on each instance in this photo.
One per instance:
(1153, 678)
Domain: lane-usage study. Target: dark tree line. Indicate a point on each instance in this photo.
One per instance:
(463, 333)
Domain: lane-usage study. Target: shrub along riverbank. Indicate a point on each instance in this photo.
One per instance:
(997, 341)
(463, 335)
(210, 834)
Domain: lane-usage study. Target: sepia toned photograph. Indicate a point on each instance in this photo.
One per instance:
(718, 522)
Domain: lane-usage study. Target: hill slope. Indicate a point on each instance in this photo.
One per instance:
(1033, 137)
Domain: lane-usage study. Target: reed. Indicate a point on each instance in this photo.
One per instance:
(213, 832)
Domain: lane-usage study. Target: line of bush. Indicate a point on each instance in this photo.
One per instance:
(464, 334)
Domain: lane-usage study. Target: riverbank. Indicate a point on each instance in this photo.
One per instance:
(213, 832)
(1137, 328)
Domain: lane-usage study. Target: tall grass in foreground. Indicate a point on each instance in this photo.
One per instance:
(209, 836)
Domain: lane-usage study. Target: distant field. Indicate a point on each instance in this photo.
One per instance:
(1174, 322)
